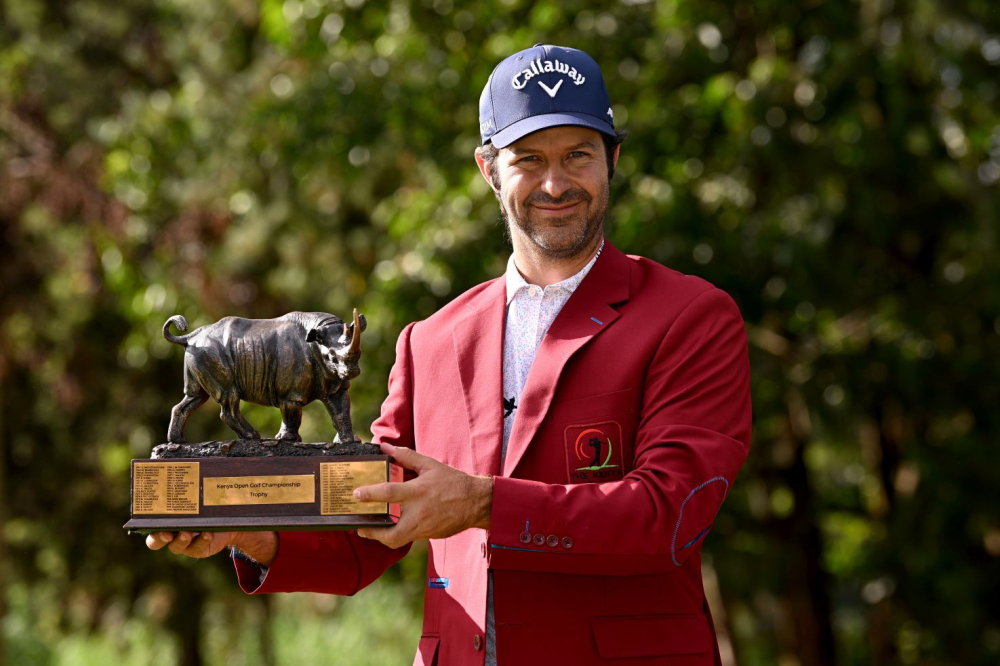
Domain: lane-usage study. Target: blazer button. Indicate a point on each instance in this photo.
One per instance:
(539, 539)
(567, 542)
(553, 540)
(477, 642)
(525, 537)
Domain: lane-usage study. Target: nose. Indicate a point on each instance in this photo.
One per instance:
(555, 180)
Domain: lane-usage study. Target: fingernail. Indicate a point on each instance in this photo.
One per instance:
(357, 494)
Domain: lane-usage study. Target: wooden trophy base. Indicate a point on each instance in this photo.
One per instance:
(234, 493)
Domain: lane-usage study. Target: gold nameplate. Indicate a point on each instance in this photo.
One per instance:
(338, 480)
(165, 488)
(233, 490)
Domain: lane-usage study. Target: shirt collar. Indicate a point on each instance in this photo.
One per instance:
(516, 282)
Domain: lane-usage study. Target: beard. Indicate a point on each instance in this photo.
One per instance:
(558, 238)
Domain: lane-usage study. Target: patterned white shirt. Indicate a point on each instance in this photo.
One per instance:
(530, 312)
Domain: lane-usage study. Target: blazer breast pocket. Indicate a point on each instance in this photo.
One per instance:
(598, 433)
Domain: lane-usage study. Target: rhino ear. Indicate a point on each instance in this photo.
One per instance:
(312, 335)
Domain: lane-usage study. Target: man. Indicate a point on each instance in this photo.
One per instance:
(576, 423)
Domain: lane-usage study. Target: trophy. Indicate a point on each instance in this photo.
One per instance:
(252, 483)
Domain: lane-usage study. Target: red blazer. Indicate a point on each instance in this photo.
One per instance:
(632, 426)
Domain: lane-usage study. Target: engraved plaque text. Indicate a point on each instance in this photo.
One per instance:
(232, 490)
(339, 479)
(165, 488)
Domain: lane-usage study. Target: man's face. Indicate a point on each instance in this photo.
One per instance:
(554, 190)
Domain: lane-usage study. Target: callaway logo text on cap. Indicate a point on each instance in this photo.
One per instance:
(544, 86)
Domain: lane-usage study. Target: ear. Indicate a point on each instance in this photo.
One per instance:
(618, 149)
(312, 335)
(484, 169)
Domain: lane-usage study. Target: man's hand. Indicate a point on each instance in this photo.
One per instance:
(440, 502)
(190, 544)
(261, 546)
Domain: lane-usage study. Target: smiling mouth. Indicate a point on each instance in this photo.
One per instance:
(555, 210)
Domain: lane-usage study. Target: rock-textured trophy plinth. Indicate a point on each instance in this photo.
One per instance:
(263, 448)
(252, 483)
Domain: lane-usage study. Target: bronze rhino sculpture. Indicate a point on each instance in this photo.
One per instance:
(286, 362)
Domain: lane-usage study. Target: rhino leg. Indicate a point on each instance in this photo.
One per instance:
(180, 413)
(339, 406)
(291, 419)
(233, 417)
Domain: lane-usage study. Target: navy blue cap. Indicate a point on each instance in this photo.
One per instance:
(544, 86)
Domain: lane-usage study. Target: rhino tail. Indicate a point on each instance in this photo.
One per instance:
(181, 323)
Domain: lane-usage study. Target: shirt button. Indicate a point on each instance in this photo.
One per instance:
(477, 642)
(567, 542)
(525, 537)
(553, 540)
(539, 539)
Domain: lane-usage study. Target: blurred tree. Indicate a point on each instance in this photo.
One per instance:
(834, 166)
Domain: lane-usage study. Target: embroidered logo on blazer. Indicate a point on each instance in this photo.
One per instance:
(594, 452)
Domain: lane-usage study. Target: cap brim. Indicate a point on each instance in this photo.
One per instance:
(523, 128)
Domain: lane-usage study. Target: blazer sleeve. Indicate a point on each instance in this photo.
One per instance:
(336, 562)
(692, 438)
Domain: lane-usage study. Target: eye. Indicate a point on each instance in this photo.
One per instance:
(579, 154)
(527, 159)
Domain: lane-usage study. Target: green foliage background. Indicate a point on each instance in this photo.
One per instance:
(832, 164)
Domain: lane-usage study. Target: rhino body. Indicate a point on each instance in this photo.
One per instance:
(286, 362)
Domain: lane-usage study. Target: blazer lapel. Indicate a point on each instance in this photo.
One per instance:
(478, 339)
(586, 314)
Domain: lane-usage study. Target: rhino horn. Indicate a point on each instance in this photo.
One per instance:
(356, 338)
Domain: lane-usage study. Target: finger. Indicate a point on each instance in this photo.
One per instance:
(391, 537)
(201, 546)
(180, 543)
(381, 534)
(383, 492)
(409, 458)
(158, 540)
